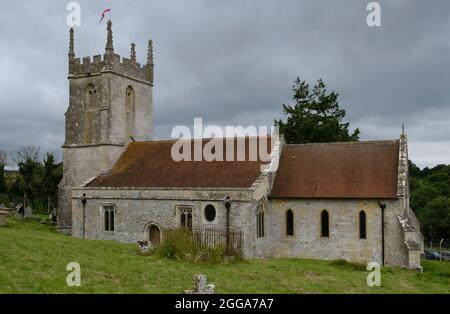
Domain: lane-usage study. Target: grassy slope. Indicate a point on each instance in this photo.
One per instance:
(33, 259)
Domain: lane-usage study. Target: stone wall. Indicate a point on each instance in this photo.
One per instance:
(344, 242)
(137, 209)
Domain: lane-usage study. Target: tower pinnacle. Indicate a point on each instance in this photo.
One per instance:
(109, 42)
(150, 53)
(133, 53)
(71, 45)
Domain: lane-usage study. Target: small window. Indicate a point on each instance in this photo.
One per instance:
(210, 213)
(289, 222)
(362, 225)
(109, 218)
(325, 224)
(186, 218)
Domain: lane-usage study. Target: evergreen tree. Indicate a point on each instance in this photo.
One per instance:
(315, 117)
(52, 175)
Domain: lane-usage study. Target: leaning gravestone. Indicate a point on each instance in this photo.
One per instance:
(28, 212)
(3, 214)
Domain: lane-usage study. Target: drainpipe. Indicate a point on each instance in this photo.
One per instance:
(84, 201)
(227, 201)
(382, 207)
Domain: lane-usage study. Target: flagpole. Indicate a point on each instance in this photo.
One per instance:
(110, 11)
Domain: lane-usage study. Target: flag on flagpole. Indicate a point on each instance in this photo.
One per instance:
(104, 15)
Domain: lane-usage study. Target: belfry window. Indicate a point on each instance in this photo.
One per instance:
(91, 94)
(109, 213)
(325, 224)
(90, 115)
(130, 111)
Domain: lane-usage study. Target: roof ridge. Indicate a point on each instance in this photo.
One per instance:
(344, 143)
(203, 139)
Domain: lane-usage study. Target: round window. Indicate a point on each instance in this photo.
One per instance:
(210, 213)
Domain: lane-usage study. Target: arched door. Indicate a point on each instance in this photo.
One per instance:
(155, 235)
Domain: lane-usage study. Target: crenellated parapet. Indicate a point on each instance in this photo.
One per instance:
(88, 66)
(111, 62)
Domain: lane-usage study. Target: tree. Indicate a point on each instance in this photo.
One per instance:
(435, 218)
(430, 194)
(51, 177)
(315, 117)
(3, 163)
(28, 161)
(422, 196)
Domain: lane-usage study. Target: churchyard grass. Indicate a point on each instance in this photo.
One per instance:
(33, 259)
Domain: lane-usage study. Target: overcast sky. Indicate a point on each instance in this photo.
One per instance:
(233, 62)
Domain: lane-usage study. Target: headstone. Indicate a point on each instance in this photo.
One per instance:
(28, 212)
(200, 286)
(3, 214)
(145, 246)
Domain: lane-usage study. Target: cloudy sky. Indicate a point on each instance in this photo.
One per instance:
(232, 62)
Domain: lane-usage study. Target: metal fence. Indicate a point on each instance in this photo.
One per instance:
(205, 239)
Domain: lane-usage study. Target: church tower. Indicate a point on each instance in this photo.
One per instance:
(110, 103)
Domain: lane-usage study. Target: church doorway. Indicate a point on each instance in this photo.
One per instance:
(154, 235)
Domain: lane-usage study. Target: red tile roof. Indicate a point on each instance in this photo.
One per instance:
(150, 164)
(338, 170)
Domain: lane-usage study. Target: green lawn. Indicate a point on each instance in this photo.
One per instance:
(33, 259)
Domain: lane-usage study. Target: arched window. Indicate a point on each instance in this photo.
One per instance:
(90, 114)
(260, 223)
(325, 224)
(109, 218)
(90, 96)
(362, 225)
(130, 111)
(289, 222)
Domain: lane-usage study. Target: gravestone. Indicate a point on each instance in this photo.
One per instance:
(3, 214)
(145, 246)
(28, 212)
(200, 286)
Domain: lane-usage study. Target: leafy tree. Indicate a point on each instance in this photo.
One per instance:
(430, 194)
(435, 218)
(315, 117)
(424, 194)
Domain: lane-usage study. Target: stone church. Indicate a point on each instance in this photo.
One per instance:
(325, 201)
